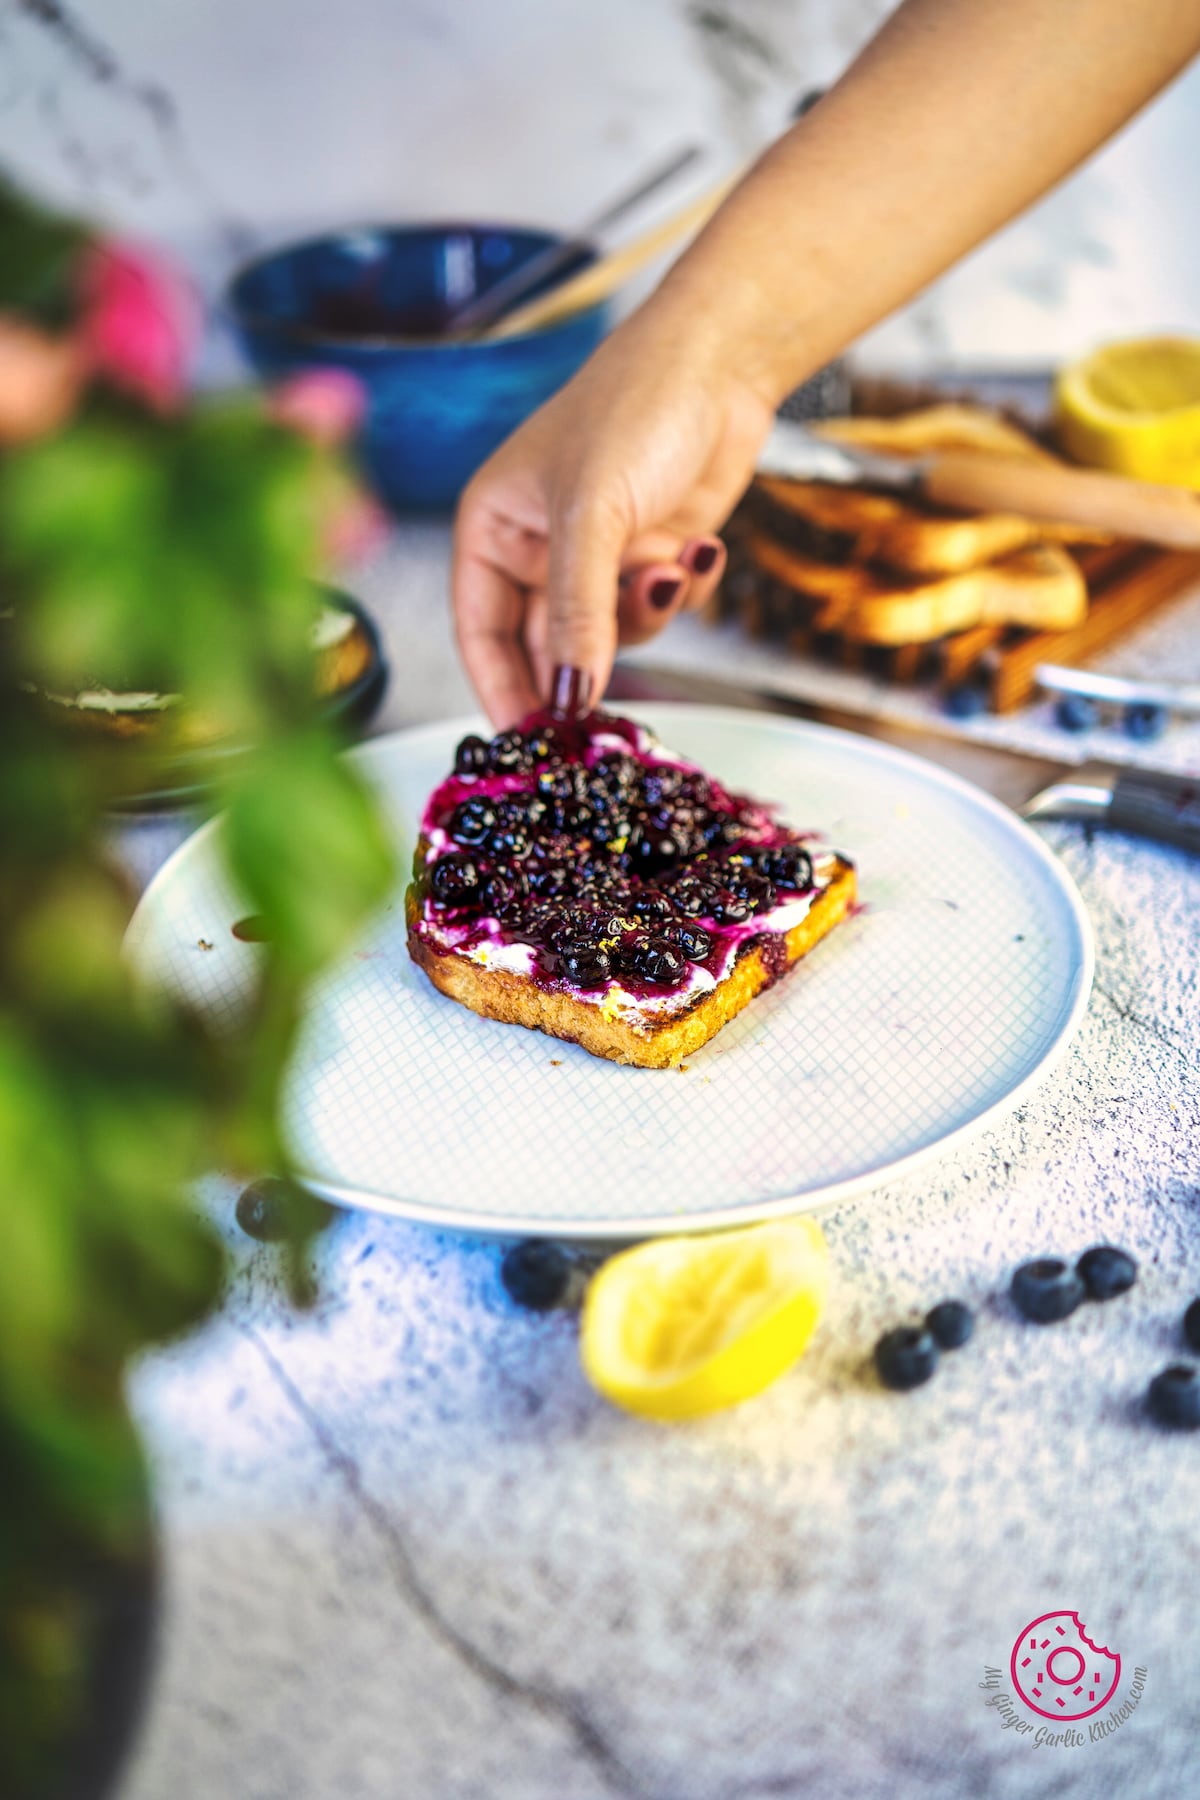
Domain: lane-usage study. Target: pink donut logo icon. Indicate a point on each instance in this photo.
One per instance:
(1059, 1672)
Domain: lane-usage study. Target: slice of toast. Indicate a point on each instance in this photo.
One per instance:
(855, 524)
(582, 881)
(1041, 588)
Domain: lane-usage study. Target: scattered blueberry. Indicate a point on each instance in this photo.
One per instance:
(1046, 1289)
(1076, 712)
(1144, 721)
(1173, 1397)
(1106, 1272)
(536, 1274)
(271, 1210)
(966, 700)
(471, 757)
(951, 1324)
(1191, 1325)
(906, 1357)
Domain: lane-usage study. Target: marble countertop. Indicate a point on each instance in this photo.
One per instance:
(409, 1552)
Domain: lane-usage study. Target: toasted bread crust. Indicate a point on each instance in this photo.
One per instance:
(904, 535)
(1039, 588)
(516, 1000)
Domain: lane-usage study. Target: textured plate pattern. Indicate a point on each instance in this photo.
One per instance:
(951, 991)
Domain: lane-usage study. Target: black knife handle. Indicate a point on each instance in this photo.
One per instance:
(1156, 805)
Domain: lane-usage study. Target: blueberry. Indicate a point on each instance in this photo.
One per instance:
(471, 757)
(1173, 1397)
(536, 1274)
(615, 776)
(609, 824)
(1191, 1325)
(272, 1210)
(652, 906)
(559, 782)
(692, 896)
(791, 867)
(653, 960)
(508, 843)
(1106, 1272)
(504, 893)
(507, 753)
(662, 783)
(550, 879)
(1144, 721)
(456, 880)
(966, 700)
(951, 1324)
(721, 832)
(694, 941)
(758, 891)
(1046, 1289)
(1076, 712)
(651, 851)
(729, 908)
(545, 743)
(529, 810)
(906, 1357)
(471, 822)
(585, 965)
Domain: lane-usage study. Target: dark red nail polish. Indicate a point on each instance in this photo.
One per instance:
(570, 691)
(664, 590)
(704, 558)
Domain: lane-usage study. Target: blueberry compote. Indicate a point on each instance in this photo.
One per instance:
(588, 857)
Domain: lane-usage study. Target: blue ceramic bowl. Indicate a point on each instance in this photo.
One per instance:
(373, 302)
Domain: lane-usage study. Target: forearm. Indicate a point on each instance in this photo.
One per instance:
(959, 114)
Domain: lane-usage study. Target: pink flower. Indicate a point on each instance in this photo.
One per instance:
(139, 322)
(357, 526)
(324, 405)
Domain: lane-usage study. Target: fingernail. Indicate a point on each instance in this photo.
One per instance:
(664, 590)
(704, 557)
(570, 691)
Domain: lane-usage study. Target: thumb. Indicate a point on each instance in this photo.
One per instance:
(587, 538)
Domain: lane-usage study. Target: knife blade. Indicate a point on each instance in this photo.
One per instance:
(976, 481)
(1144, 802)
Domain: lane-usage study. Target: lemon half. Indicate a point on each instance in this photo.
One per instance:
(1134, 408)
(683, 1326)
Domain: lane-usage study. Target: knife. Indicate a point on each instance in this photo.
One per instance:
(1144, 802)
(977, 481)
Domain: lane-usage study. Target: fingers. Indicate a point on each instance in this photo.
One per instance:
(489, 620)
(587, 539)
(652, 594)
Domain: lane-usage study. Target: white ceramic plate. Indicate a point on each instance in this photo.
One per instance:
(916, 1022)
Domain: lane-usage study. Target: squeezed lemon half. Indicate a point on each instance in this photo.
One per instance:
(1134, 408)
(683, 1326)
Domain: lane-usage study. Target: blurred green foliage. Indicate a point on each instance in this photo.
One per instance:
(172, 554)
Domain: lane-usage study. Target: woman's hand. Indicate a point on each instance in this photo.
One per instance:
(594, 524)
(628, 472)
